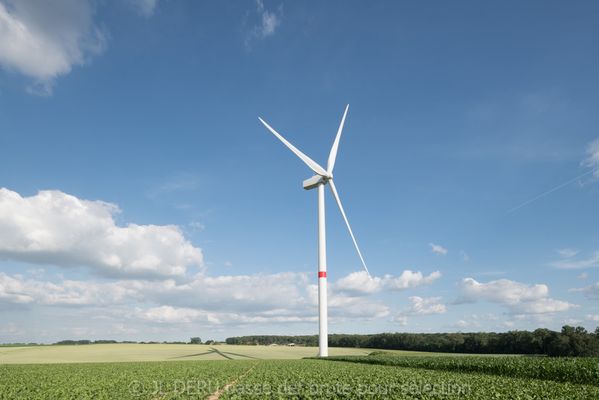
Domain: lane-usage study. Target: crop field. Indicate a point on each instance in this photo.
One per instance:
(158, 352)
(561, 369)
(388, 375)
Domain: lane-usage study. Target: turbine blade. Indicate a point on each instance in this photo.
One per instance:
(309, 162)
(333, 153)
(338, 200)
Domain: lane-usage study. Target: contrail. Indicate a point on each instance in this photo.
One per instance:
(511, 210)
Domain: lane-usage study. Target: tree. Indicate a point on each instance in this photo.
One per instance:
(195, 340)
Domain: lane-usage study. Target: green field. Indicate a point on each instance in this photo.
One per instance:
(239, 372)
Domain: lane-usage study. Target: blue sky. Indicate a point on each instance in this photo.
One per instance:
(144, 200)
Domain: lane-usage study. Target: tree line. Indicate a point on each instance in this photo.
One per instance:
(570, 341)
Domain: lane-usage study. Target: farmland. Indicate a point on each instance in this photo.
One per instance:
(157, 352)
(236, 372)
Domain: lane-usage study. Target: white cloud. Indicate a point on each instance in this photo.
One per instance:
(570, 263)
(516, 296)
(462, 323)
(489, 321)
(16, 289)
(343, 307)
(360, 283)
(567, 253)
(168, 314)
(44, 40)
(235, 293)
(145, 7)
(591, 291)
(420, 306)
(425, 306)
(241, 293)
(592, 160)
(53, 227)
(582, 276)
(215, 301)
(182, 315)
(409, 279)
(269, 21)
(544, 305)
(437, 249)
(572, 321)
(267, 25)
(12, 290)
(592, 317)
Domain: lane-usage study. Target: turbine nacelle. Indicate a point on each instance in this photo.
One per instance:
(312, 183)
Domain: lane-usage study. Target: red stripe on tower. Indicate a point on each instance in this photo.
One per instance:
(322, 274)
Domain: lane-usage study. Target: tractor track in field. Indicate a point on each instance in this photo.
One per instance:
(216, 395)
(223, 354)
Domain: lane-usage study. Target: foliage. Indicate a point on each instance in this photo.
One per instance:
(195, 340)
(569, 342)
(139, 380)
(316, 379)
(562, 369)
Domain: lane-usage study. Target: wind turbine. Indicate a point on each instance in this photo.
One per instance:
(318, 181)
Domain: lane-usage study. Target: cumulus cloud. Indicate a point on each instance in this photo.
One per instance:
(235, 293)
(502, 291)
(16, 289)
(182, 315)
(519, 298)
(420, 306)
(347, 307)
(426, 305)
(44, 40)
(437, 249)
(592, 159)
(56, 228)
(216, 301)
(359, 283)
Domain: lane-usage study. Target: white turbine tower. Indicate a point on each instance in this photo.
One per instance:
(318, 181)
